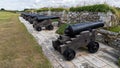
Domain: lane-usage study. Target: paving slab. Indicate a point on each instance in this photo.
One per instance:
(94, 60)
(106, 57)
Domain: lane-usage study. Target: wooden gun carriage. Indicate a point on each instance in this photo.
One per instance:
(76, 36)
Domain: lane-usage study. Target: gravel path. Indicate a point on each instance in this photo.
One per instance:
(106, 57)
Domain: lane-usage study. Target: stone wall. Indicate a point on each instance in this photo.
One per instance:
(110, 38)
(78, 17)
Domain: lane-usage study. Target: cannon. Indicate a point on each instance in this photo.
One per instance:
(44, 22)
(40, 21)
(32, 17)
(76, 36)
(24, 15)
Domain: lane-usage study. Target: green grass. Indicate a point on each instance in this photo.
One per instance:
(119, 61)
(57, 9)
(115, 29)
(94, 8)
(61, 29)
(46, 9)
(18, 48)
(55, 20)
(42, 9)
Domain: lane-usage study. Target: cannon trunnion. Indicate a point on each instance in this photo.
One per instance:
(79, 35)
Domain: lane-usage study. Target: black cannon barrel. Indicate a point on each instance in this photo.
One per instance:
(35, 15)
(47, 17)
(79, 27)
(25, 14)
(31, 14)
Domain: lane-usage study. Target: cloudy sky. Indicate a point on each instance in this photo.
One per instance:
(21, 4)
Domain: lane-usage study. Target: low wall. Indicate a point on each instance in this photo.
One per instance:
(78, 17)
(110, 38)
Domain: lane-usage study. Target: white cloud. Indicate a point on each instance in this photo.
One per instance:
(21, 4)
(16, 4)
(69, 3)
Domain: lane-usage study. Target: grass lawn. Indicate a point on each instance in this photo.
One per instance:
(18, 49)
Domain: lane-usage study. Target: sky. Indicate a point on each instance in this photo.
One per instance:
(22, 4)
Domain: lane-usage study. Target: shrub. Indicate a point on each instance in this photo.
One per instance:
(94, 8)
(52, 9)
(61, 29)
(118, 13)
(119, 61)
(43, 9)
(57, 9)
(29, 10)
(2, 9)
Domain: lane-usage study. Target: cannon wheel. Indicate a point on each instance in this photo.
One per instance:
(56, 45)
(93, 47)
(69, 54)
(31, 22)
(49, 27)
(38, 28)
(34, 24)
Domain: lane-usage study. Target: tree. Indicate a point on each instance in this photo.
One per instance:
(2, 9)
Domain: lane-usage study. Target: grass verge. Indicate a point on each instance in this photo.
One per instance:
(18, 49)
